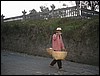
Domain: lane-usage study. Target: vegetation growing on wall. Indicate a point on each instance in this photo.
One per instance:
(81, 37)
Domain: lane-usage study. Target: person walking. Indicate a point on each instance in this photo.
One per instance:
(57, 45)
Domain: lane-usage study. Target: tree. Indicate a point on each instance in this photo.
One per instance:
(44, 9)
(85, 4)
(77, 3)
(53, 6)
(41, 7)
(93, 4)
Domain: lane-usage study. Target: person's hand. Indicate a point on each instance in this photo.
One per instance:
(60, 33)
(64, 49)
(57, 33)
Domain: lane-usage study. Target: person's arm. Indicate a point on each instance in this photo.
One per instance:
(62, 44)
(55, 37)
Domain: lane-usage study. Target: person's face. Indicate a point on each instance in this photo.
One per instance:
(58, 31)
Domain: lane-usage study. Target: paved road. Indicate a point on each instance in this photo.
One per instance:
(21, 64)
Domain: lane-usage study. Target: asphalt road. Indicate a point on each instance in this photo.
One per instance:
(13, 63)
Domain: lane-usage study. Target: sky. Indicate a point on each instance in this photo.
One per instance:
(15, 8)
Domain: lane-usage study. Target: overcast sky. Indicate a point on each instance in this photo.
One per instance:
(15, 8)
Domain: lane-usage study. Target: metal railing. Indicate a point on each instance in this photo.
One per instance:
(58, 13)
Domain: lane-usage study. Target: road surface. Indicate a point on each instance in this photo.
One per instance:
(13, 63)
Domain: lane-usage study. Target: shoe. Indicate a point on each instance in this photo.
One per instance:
(61, 69)
(51, 66)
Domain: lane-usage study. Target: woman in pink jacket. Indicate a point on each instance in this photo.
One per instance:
(57, 45)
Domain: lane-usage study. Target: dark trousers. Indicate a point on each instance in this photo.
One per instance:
(58, 62)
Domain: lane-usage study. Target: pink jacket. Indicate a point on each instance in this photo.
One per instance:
(57, 42)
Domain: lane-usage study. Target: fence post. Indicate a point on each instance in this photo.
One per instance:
(2, 18)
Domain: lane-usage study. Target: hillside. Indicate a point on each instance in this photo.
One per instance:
(81, 37)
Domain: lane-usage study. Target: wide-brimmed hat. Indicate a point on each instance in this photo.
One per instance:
(59, 28)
